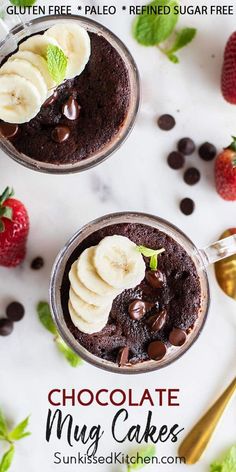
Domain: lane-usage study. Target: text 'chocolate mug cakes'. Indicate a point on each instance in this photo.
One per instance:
(64, 95)
(130, 293)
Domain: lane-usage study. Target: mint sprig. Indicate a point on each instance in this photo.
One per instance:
(152, 253)
(149, 451)
(10, 436)
(183, 37)
(57, 63)
(151, 29)
(23, 3)
(228, 463)
(46, 320)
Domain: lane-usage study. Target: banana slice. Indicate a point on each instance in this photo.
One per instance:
(38, 44)
(75, 42)
(86, 311)
(20, 100)
(37, 61)
(89, 277)
(25, 69)
(117, 261)
(87, 328)
(87, 295)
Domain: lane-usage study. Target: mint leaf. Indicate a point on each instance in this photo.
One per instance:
(73, 359)
(23, 3)
(146, 451)
(57, 63)
(152, 29)
(152, 253)
(45, 317)
(228, 463)
(6, 461)
(3, 426)
(183, 37)
(19, 431)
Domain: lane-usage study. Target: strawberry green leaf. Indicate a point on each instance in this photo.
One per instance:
(8, 193)
(7, 459)
(6, 212)
(19, 431)
(57, 63)
(73, 359)
(151, 29)
(45, 317)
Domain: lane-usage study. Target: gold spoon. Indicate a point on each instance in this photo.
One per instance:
(225, 270)
(197, 440)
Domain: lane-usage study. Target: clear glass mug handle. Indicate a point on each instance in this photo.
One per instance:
(7, 21)
(219, 250)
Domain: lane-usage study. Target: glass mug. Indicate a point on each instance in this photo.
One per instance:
(201, 258)
(9, 45)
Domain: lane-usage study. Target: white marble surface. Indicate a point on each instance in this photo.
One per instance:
(135, 178)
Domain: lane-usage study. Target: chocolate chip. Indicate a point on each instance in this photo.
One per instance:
(123, 356)
(37, 263)
(176, 160)
(8, 130)
(60, 134)
(207, 151)
(137, 309)
(71, 109)
(157, 321)
(166, 122)
(192, 176)
(156, 350)
(6, 327)
(51, 99)
(177, 337)
(15, 311)
(155, 278)
(186, 146)
(187, 206)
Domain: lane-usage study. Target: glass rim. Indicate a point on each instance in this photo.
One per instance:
(141, 367)
(109, 148)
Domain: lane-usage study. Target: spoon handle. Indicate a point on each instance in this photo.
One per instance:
(197, 440)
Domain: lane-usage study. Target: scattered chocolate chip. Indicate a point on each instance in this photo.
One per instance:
(137, 309)
(177, 337)
(166, 122)
(37, 263)
(60, 134)
(186, 146)
(187, 206)
(192, 176)
(8, 130)
(155, 278)
(157, 321)
(15, 311)
(176, 160)
(71, 109)
(51, 99)
(207, 151)
(6, 327)
(123, 356)
(156, 350)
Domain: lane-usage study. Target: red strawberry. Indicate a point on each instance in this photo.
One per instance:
(228, 80)
(14, 229)
(225, 172)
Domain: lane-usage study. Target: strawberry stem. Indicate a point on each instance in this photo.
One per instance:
(5, 211)
(233, 144)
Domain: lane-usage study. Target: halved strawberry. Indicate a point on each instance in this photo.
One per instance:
(14, 229)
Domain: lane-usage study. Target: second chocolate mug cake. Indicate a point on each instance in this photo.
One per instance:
(69, 94)
(129, 292)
